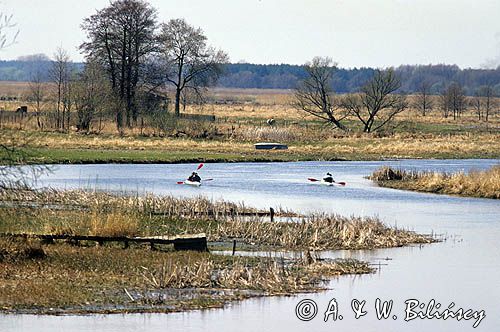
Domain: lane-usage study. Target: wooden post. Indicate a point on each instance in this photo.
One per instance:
(234, 246)
(271, 212)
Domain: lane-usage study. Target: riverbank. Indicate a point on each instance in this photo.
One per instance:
(484, 184)
(73, 148)
(68, 277)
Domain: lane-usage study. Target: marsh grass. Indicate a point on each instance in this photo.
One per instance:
(307, 140)
(475, 183)
(81, 277)
(262, 274)
(114, 224)
(269, 134)
(320, 232)
(16, 250)
(98, 213)
(72, 279)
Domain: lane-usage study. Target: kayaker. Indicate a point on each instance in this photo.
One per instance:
(328, 178)
(194, 177)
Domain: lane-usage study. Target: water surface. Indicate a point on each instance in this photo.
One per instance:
(465, 269)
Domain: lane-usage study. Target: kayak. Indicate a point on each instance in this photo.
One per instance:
(328, 184)
(192, 183)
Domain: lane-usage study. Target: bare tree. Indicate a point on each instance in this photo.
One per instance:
(444, 103)
(91, 95)
(453, 100)
(60, 75)
(67, 101)
(6, 24)
(37, 93)
(190, 63)
(487, 94)
(13, 152)
(423, 99)
(377, 104)
(477, 104)
(121, 37)
(314, 95)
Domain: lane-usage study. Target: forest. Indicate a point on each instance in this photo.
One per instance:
(285, 76)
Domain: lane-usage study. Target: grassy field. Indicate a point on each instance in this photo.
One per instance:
(240, 122)
(484, 184)
(68, 277)
(52, 147)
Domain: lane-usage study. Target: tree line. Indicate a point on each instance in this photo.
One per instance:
(284, 76)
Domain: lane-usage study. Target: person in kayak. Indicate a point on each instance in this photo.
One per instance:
(194, 177)
(328, 178)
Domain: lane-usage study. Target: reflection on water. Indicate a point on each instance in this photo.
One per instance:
(465, 269)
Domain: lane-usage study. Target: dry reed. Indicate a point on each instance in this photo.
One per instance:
(220, 220)
(320, 232)
(269, 275)
(15, 250)
(475, 183)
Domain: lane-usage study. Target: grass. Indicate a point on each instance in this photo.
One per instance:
(55, 148)
(63, 278)
(114, 224)
(241, 121)
(484, 184)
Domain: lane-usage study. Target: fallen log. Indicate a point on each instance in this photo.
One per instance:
(196, 242)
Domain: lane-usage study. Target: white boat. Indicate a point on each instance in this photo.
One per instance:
(192, 183)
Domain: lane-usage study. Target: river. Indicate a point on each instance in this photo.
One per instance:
(464, 269)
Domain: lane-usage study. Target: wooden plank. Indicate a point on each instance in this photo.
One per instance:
(181, 242)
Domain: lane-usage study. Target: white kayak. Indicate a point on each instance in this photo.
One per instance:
(192, 183)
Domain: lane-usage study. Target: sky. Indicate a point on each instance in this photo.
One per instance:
(354, 33)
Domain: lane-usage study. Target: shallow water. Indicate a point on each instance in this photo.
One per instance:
(465, 269)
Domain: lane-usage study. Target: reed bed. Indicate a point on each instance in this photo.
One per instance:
(321, 232)
(241, 273)
(484, 184)
(166, 206)
(60, 211)
(70, 279)
(16, 250)
(269, 134)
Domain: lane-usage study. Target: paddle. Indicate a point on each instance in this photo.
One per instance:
(316, 180)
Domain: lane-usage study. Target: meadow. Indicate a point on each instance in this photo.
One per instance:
(240, 121)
